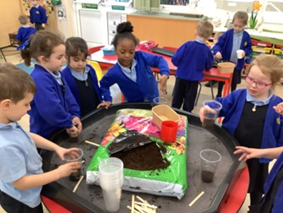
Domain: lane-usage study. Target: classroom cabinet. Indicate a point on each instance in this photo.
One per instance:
(113, 19)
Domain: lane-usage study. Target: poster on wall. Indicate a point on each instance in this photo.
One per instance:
(46, 4)
(61, 12)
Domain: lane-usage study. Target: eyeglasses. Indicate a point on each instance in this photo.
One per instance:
(259, 84)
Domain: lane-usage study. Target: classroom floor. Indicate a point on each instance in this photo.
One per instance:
(13, 56)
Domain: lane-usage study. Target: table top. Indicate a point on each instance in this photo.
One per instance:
(112, 59)
(88, 198)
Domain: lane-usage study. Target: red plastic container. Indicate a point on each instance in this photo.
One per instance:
(169, 131)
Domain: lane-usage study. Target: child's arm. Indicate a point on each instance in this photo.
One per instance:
(248, 153)
(217, 48)
(177, 57)
(106, 82)
(37, 180)
(248, 46)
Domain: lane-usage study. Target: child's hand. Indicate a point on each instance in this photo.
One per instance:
(247, 153)
(104, 104)
(77, 122)
(68, 168)
(62, 151)
(203, 111)
(218, 55)
(43, 25)
(163, 81)
(73, 131)
(279, 108)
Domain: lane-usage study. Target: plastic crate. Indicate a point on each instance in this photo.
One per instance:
(261, 43)
(262, 49)
(279, 46)
(278, 52)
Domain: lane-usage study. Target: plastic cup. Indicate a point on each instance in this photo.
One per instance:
(209, 118)
(111, 180)
(169, 131)
(209, 163)
(71, 157)
(160, 100)
(240, 54)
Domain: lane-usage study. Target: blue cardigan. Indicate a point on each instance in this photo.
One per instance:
(51, 108)
(232, 108)
(67, 74)
(24, 33)
(278, 204)
(192, 58)
(38, 15)
(225, 45)
(145, 88)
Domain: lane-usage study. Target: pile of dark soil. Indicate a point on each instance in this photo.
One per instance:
(147, 157)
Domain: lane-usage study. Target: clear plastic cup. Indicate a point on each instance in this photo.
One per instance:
(210, 117)
(111, 179)
(73, 157)
(209, 163)
(160, 100)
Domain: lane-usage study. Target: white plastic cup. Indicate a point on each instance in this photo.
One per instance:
(209, 117)
(240, 54)
(111, 179)
(209, 163)
(160, 100)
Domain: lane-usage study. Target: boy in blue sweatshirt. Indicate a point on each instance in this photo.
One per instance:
(25, 31)
(228, 44)
(37, 15)
(191, 59)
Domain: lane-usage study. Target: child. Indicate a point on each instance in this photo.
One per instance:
(231, 41)
(37, 15)
(81, 77)
(54, 106)
(132, 72)
(273, 187)
(191, 59)
(25, 31)
(21, 175)
(250, 118)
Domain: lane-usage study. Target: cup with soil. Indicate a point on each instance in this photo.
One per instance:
(212, 112)
(209, 163)
(74, 156)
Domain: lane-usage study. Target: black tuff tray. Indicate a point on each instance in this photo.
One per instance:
(88, 198)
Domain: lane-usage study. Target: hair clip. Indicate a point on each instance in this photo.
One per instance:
(23, 46)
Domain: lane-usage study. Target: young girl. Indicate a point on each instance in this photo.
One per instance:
(231, 41)
(53, 106)
(81, 77)
(132, 72)
(250, 118)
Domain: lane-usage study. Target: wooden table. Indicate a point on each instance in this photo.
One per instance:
(210, 75)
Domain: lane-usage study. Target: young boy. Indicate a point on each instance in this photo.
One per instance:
(192, 58)
(21, 175)
(228, 44)
(37, 15)
(25, 31)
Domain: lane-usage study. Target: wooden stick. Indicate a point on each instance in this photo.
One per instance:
(140, 209)
(147, 205)
(132, 209)
(197, 197)
(133, 203)
(78, 183)
(92, 143)
(142, 200)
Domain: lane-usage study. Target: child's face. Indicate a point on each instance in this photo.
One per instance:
(56, 59)
(238, 25)
(258, 84)
(14, 112)
(78, 63)
(125, 52)
(34, 2)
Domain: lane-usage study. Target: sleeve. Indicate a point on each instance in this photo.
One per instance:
(178, 56)
(156, 61)
(49, 104)
(227, 103)
(248, 48)
(19, 35)
(12, 164)
(209, 60)
(106, 82)
(43, 16)
(31, 16)
(220, 44)
(74, 108)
